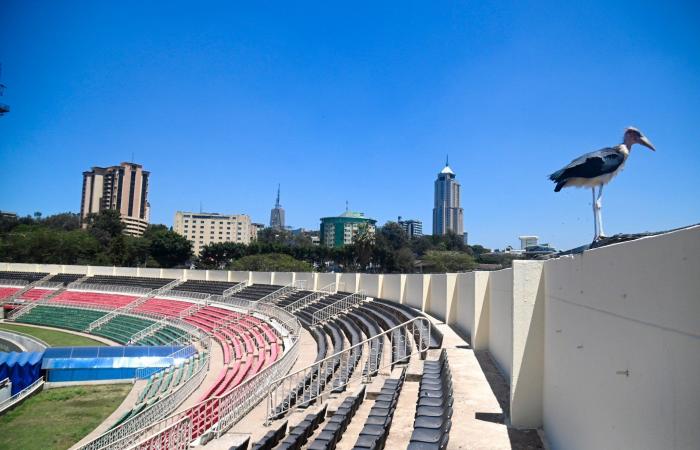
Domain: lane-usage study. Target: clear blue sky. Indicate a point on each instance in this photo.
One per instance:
(356, 101)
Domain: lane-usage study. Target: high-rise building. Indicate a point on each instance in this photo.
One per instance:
(254, 230)
(340, 230)
(123, 188)
(209, 228)
(277, 213)
(413, 228)
(447, 214)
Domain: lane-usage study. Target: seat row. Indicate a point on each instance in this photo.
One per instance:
(206, 287)
(376, 428)
(29, 277)
(333, 431)
(255, 292)
(143, 282)
(431, 426)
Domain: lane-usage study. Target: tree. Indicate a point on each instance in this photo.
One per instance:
(64, 221)
(219, 254)
(168, 248)
(363, 246)
(105, 226)
(271, 262)
(447, 261)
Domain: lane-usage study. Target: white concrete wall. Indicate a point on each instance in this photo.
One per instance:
(371, 284)
(349, 282)
(501, 320)
(442, 293)
(628, 307)
(261, 277)
(324, 279)
(393, 287)
(310, 279)
(239, 276)
(217, 275)
(416, 290)
(282, 278)
(528, 345)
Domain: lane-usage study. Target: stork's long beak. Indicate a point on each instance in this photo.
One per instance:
(645, 142)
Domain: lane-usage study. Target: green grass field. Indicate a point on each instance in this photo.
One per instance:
(52, 337)
(58, 418)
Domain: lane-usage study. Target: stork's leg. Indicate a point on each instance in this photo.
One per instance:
(595, 216)
(599, 205)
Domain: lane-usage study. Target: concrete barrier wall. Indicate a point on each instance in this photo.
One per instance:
(501, 320)
(602, 348)
(349, 282)
(622, 345)
(310, 279)
(282, 278)
(371, 284)
(416, 290)
(393, 287)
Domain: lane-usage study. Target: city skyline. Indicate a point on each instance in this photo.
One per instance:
(359, 105)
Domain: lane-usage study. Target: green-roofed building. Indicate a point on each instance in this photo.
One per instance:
(340, 230)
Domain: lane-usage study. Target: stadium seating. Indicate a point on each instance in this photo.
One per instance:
(299, 435)
(69, 318)
(65, 278)
(206, 287)
(257, 291)
(432, 423)
(376, 428)
(271, 438)
(333, 431)
(109, 301)
(121, 328)
(142, 282)
(35, 294)
(7, 291)
(28, 277)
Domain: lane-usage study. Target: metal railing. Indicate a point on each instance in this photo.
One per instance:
(338, 307)
(176, 437)
(174, 293)
(78, 282)
(233, 289)
(143, 373)
(21, 395)
(340, 369)
(149, 416)
(313, 297)
(48, 284)
(288, 289)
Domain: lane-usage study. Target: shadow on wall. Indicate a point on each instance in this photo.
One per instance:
(519, 439)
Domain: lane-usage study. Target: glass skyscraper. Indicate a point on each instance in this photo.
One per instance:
(447, 213)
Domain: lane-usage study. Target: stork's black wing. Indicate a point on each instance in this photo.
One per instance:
(590, 165)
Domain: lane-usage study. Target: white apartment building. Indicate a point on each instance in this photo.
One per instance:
(208, 228)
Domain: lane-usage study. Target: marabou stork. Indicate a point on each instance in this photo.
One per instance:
(597, 169)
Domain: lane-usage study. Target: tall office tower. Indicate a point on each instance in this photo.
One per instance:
(447, 214)
(277, 213)
(210, 228)
(123, 188)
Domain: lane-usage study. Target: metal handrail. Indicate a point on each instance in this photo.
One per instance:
(233, 289)
(307, 384)
(338, 307)
(284, 290)
(313, 297)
